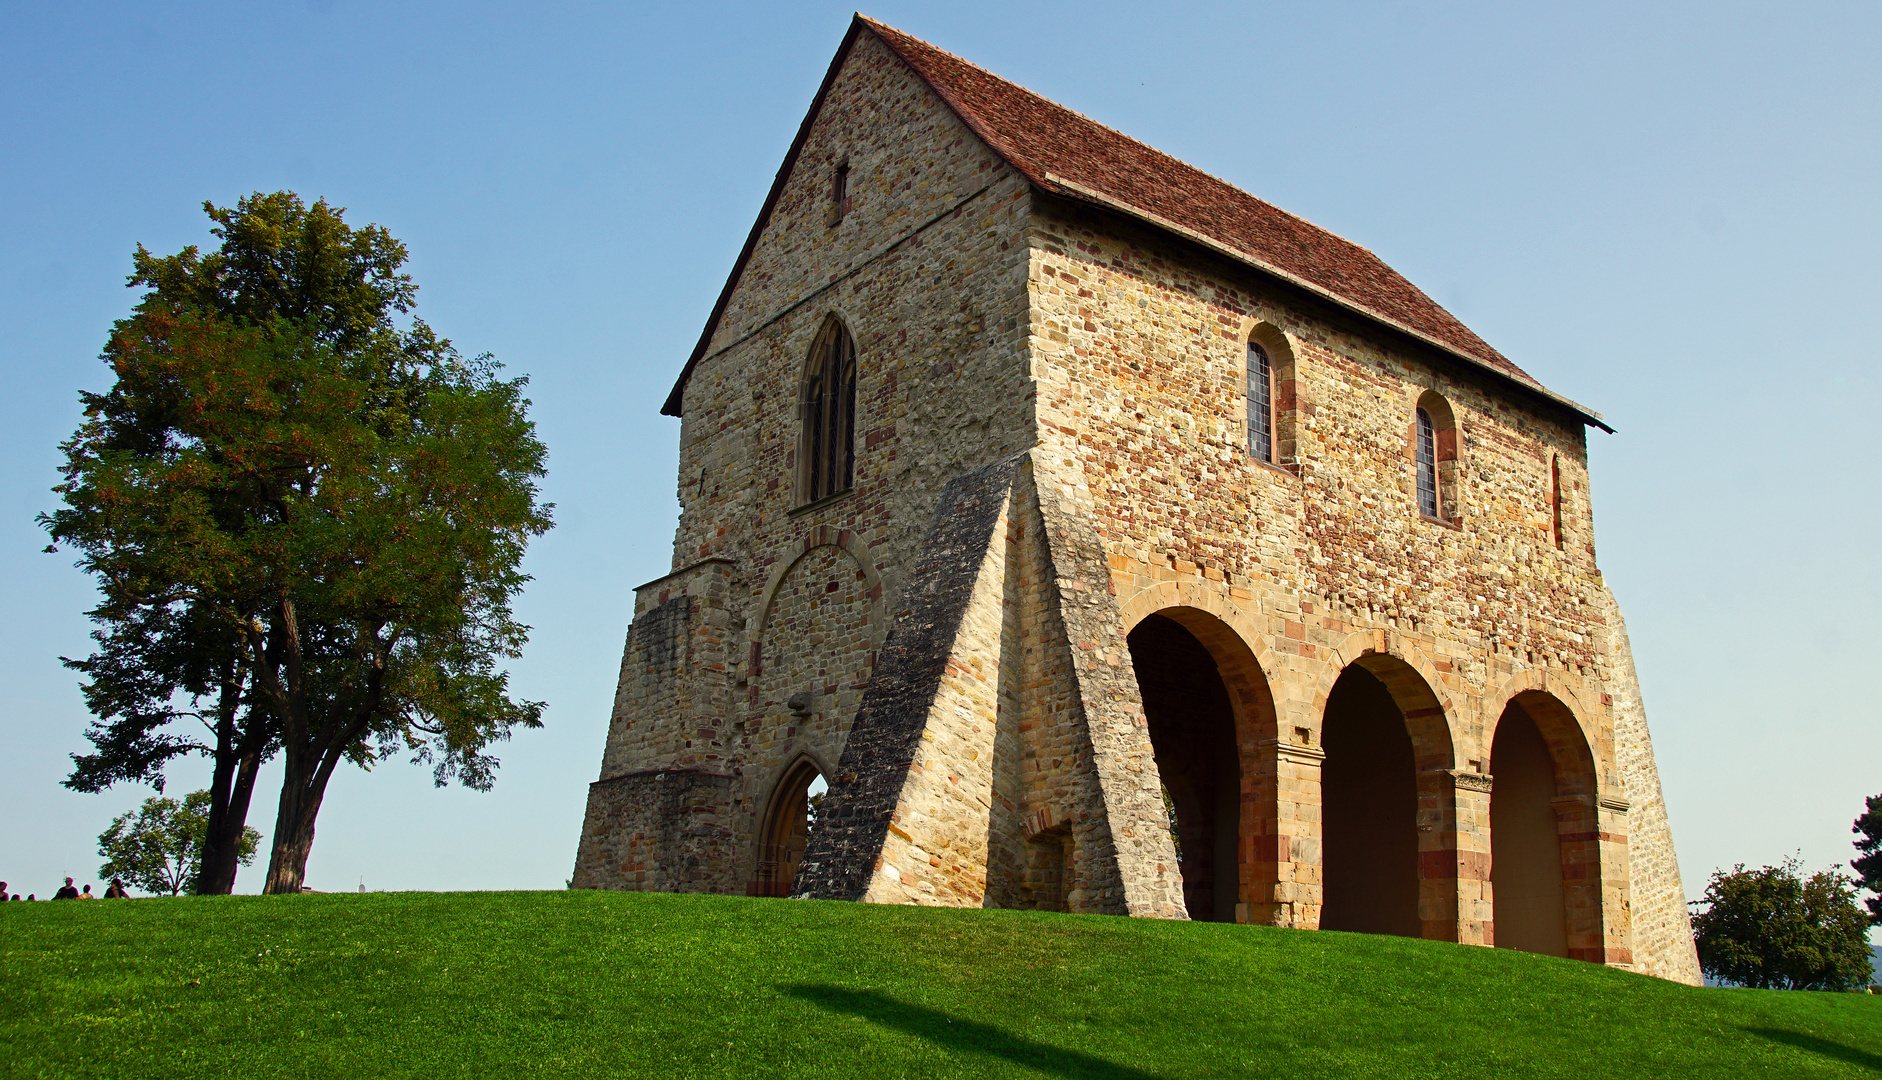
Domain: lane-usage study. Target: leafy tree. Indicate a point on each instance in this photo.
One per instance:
(158, 847)
(1868, 865)
(156, 667)
(1777, 930)
(324, 509)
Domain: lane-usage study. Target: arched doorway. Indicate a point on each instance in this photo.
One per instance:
(1545, 870)
(1202, 732)
(1369, 811)
(785, 830)
(1525, 848)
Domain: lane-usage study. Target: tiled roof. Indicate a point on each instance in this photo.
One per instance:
(1070, 155)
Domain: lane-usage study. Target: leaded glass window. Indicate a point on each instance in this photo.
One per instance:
(1260, 404)
(830, 416)
(1427, 465)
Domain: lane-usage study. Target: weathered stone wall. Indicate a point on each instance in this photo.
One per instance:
(894, 826)
(1662, 926)
(667, 748)
(658, 831)
(1051, 446)
(807, 665)
(1139, 350)
(941, 391)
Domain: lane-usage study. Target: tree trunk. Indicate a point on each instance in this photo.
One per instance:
(238, 758)
(228, 816)
(301, 791)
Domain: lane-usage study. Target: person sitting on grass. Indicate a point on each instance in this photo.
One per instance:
(68, 892)
(85, 894)
(115, 891)
(3, 891)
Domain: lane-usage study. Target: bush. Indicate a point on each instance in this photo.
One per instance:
(1774, 929)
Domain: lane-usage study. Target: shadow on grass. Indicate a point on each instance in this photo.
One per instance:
(1850, 1054)
(939, 1027)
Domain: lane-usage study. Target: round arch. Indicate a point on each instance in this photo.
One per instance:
(1546, 835)
(812, 539)
(1210, 716)
(1390, 794)
(1566, 721)
(1412, 680)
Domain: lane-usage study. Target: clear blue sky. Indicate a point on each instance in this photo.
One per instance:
(1669, 213)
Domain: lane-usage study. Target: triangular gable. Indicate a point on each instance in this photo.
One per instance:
(1066, 154)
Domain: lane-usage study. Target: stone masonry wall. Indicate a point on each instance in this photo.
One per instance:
(1662, 926)
(1139, 350)
(934, 683)
(1050, 446)
(670, 706)
(941, 392)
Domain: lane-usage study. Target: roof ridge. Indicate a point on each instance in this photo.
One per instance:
(1063, 153)
(878, 27)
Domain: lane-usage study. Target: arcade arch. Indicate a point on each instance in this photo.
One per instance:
(1388, 807)
(1209, 712)
(1545, 846)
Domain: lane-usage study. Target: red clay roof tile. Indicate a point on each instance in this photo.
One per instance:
(1065, 153)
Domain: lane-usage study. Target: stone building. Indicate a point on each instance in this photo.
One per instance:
(1109, 540)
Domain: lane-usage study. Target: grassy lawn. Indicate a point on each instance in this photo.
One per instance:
(594, 984)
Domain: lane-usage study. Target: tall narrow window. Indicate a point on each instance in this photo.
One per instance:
(828, 449)
(840, 192)
(1555, 497)
(1260, 404)
(1427, 465)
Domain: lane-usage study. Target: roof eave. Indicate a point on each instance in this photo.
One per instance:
(1058, 185)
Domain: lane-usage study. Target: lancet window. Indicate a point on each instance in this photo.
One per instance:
(827, 452)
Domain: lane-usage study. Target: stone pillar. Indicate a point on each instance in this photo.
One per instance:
(1617, 917)
(1476, 905)
(1593, 836)
(1454, 855)
(1280, 856)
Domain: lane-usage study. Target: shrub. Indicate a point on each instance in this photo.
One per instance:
(1775, 929)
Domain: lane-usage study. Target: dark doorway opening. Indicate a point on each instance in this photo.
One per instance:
(1525, 843)
(785, 832)
(1369, 811)
(1192, 732)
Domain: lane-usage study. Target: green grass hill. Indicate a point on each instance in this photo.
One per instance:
(612, 984)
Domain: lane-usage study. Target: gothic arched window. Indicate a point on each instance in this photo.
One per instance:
(827, 452)
(1260, 404)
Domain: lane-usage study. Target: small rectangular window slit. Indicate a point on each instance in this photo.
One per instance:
(840, 192)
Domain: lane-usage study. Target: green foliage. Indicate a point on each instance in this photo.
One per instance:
(1773, 928)
(159, 846)
(291, 499)
(582, 983)
(1868, 864)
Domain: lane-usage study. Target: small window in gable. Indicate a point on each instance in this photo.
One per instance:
(826, 457)
(840, 192)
